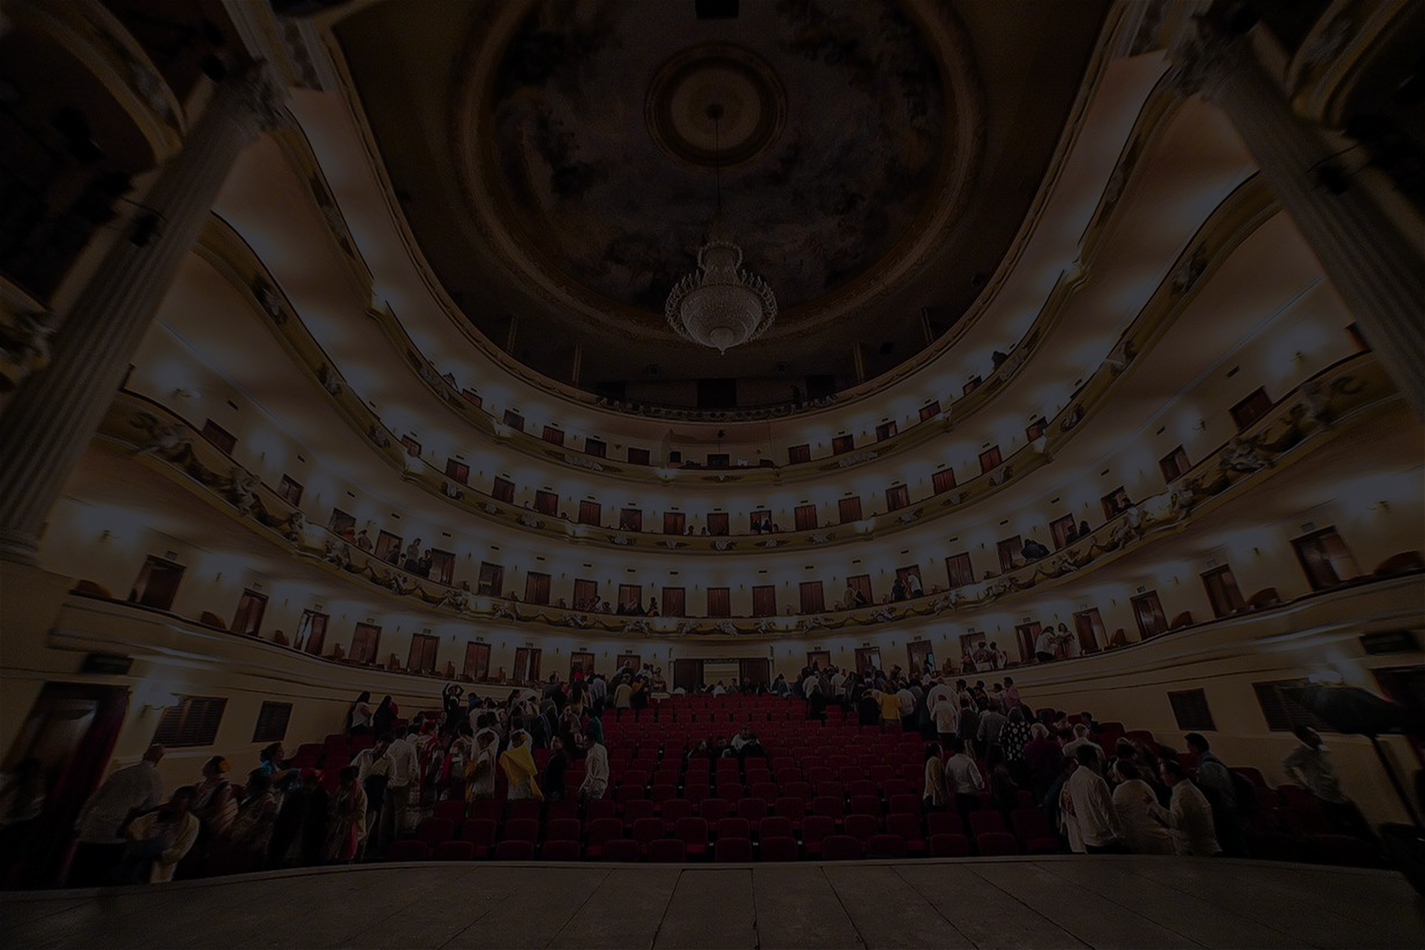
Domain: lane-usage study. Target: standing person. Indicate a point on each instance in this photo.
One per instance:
(969, 725)
(992, 723)
(963, 778)
(101, 838)
(402, 767)
(1311, 766)
(358, 717)
(905, 704)
(1043, 758)
(1011, 694)
(1094, 813)
(1044, 646)
(596, 763)
(1190, 811)
(936, 793)
(348, 817)
(252, 829)
(946, 717)
(554, 770)
(160, 839)
(480, 772)
(383, 720)
(518, 765)
(1215, 781)
(1146, 824)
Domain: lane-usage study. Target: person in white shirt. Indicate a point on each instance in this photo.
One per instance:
(1044, 646)
(160, 839)
(938, 688)
(912, 583)
(906, 700)
(402, 766)
(719, 689)
(936, 793)
(1094, 812)
(963, 779)
(596, 766)
(623, 696)
(100, 826)
(946, 715)
(1190, 811)
(1145, 823)
(1081, 740)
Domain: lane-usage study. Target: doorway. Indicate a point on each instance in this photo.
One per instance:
(868, 659)
(157, 583)
(526, 665)
(1089, 625)
(921, 656)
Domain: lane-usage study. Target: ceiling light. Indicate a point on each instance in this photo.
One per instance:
(722, 305)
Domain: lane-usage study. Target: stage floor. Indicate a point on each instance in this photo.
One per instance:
(1028, 902)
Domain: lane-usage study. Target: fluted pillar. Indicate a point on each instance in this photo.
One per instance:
(1378, 271)
(52, 418)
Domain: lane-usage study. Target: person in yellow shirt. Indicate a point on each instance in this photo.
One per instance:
(890, 709)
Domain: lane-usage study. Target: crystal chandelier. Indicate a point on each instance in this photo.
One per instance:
(720, 306)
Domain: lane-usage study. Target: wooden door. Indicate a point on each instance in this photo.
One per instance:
(477, 661)
(1028, 635)
(1089, 626)
(868, 659)
(688, 675)
(919, 654)
(764, 601)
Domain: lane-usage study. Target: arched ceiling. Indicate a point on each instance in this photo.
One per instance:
(558, 163)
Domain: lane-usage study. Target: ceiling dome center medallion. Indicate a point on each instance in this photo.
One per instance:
(719, 79)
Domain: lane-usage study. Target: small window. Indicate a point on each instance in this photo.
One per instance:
(1115, 503)
(422, 657)
(943, 480)
(719, 602)
(413, 448)
(224, 440)
(630, 598)
(764, 601)
(546, 502)
(442, 566)
(990, 458)
(812, 599)
(897, 496)
(757, 517)
(930, 412)
(630, 519)
(248, 620)
(1325, 559)
(193, 722)
(457, 471)
(849, 509)
(477, 661)
(1281, 710)
(157, 583)
(637, 456)
(503, 490)
(1036, 428)
(885, 430)
(1061, 528)
(590, 512)
(1148, 611)
(536, 588)
(860, 585)
(673, 602)
(674, 522)
(514, 420)
(388, 547)
(1190, 710)
(717, 524)
(796, 454)
(972, 385)
(1251, 409)
(1222, 591)
(1010, 551)
(472, 397)
(959, 569)
(842, 444)
(553, 436)
(342, 524)
(806, 519)
(586, 594)
(272, 721)
(491, 582)
(290, 491)
(596, 447)
(1174, 464)
(365, 643)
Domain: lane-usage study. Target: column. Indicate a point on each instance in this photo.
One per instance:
(54, 415)
(1379, 272)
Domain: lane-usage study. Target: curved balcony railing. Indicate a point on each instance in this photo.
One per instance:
(1304, 420)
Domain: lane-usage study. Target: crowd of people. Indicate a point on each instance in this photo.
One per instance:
(982, 744)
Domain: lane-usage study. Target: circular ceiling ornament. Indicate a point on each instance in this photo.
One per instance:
(751, 103)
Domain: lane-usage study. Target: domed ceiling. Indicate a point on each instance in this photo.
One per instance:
(601, 143)
(558, 162)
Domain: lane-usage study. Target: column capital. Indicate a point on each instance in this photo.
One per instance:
(1202, 58)
(257, 96)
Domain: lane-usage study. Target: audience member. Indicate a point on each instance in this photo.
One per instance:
(1310, 765)
(1146, 824)
(1092, 804)
(1190, 812)
(962, 777)
(101, 824)
(159, 839)
(348, 817)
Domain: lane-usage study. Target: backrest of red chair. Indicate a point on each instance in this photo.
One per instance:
(521, 829)
(996, 843)
(817, 827)
(733, 828)
(864, 805)
(986, 822)
(714, 809)
(562, 829)
(453, 851)
(666, 850)
(886, 846)
(560, 850)
(480, 831)
(621, 849)
(435, 830)
(774, 826)
(600, 808)
(944, 823)
(692, 830)
(1029, 823)
(840, 848)
(949, 846)
(638, 808)
(602, 830)
(861, 826)
(735, 850)
(648, 829)
(514, 850)
(907, 826)
(909, 804)
(792, 806)
(753, 809)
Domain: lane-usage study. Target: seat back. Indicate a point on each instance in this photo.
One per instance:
(861, 826)
(624, 850)
(735, 850)
(886, 846)
(666, 851)
(562, 829)
(840, 848)
(521, 829)
(774, 826)
(453, 851)
(560, 849)
(777, 848)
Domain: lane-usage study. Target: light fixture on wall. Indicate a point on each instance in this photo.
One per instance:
(722, 305)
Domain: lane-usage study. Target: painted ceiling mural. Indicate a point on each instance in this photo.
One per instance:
(832, 133)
